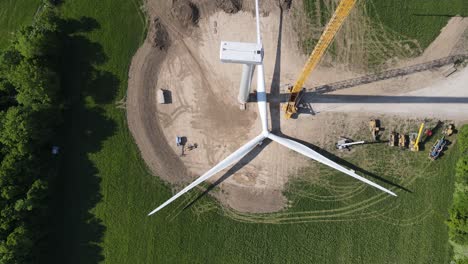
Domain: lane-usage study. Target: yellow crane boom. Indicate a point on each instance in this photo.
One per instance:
(415, 146)
(341, 12)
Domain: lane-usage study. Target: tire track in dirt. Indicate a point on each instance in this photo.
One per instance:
(141, 115)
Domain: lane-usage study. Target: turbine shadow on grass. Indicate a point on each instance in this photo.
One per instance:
(347, 164)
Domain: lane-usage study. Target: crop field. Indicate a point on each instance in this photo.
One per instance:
(419, 19)
(389, 29)
(105, 190)
(14, 14)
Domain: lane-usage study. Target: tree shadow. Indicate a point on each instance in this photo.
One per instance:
(82, 25)
(76, 233)
(103, 87)
(55, 2)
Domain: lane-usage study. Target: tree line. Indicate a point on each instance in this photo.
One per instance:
(458, 222)
(30, 112)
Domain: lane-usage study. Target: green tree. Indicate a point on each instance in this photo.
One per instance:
(9, 58)
(29, 88)
(36, 86)
(35, 197)
(462, 170)
(48, 20)
(31, 43)
(463, 138)
(14, 130)
(8, 218)
(41, 38)
(16, 169)
(7, 94)
(458, 223)
(10, 192)
(20, 243)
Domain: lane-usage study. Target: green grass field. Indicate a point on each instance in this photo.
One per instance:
(105, 191)
(417, 19)
(14, 14)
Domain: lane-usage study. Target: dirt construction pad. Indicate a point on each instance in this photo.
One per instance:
(203, 104)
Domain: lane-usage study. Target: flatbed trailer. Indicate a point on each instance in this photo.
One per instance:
(437, 148)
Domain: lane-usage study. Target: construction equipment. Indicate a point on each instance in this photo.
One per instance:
(437, 148)
(415, 138)
(344, 143)
(402, 140)
(265, 134)
(448, 131)
(341, 12)
(374, 126)
(392, 140)
(180, 143)
(191, 147)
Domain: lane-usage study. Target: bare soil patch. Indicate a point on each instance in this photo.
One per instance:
(204, 108)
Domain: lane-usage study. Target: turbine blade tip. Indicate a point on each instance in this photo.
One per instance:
(153, 212)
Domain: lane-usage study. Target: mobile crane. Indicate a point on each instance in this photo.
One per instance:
(341, 13)
(415, 138)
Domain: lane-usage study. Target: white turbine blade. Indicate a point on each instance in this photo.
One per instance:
(261, 94)
(257, 18)
(261, 98)
(235, 156)
(316, 156)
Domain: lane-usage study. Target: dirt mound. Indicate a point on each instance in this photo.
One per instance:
(229, 6)
(186, 12)
(159, 37)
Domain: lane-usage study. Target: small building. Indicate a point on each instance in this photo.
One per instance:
(160, 96)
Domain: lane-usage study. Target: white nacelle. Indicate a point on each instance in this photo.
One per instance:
(241, 52)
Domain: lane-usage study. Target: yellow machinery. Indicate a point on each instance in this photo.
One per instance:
(342, 11)
(414, 140)
(402, 140)
(374, 126)
(392, 139)
(448, 131)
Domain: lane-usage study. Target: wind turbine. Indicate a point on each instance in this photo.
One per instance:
(256, 58)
